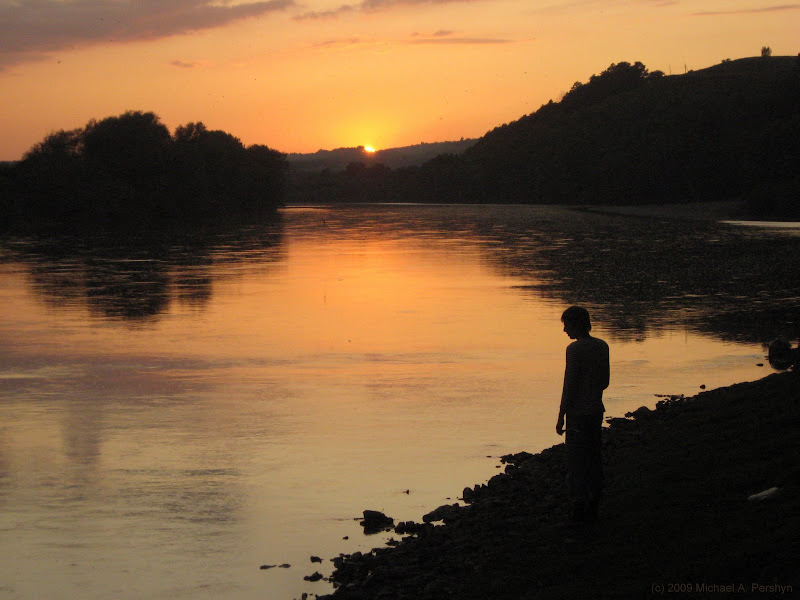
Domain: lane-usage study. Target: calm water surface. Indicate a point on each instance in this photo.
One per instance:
(178, 410)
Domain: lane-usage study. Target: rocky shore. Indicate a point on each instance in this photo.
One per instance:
(702, 499)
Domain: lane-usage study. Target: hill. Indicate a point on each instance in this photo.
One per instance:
(406, 156)
(633, 137)
(627, 136)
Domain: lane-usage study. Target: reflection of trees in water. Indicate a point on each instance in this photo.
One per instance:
(640, 276)
(644, 275)
(135, 278)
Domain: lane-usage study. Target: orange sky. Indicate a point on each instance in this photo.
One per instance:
(300, 75)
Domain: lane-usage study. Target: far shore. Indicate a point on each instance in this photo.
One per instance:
(730, 210)
(702, 501)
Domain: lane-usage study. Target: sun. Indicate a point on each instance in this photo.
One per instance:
(369, 149)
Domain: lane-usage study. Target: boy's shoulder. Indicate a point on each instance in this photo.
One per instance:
(587, 343)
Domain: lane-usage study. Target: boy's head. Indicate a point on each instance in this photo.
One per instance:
(576, 321)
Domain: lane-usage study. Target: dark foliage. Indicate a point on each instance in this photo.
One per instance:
(129, 170)
(627, 136)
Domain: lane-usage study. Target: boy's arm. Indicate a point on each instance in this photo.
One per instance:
(560, 422)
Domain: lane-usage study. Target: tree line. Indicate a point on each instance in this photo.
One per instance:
(627, 136)
(129, 169)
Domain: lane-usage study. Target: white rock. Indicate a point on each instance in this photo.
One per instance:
(765, 495)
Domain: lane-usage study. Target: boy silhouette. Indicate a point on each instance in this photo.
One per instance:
(585, 377)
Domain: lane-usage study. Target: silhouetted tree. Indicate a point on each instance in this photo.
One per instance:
(129, 168)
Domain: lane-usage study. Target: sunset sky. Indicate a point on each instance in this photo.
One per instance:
(301, 75)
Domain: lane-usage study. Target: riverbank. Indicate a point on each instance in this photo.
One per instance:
(696, 211)
(677, 517)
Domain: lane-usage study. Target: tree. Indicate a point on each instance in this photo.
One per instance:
(131, 148)
(128, 169)
(616, 79)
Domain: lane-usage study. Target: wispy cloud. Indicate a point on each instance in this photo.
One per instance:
(344, 42)
(32, 29)
(189, 64)
(448, 36)
(368, 6)
(443, 36)
(374, 5)
(182, 64)
(564, 6)
(746, 11)
(326, 14)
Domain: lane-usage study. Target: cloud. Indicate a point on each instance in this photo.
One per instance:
(189, 64)
(376, 5)
(181, 64)
(565, 6)
(747, 11)
(448, 36)
(326, 14)
(443, 37)
(461, 40)
(32, 29)
(353, 41)
(372, 6)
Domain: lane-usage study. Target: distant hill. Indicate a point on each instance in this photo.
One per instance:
(394, 158)
(627, 136)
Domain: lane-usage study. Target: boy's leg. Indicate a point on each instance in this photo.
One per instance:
(578, 453)
(594, 465)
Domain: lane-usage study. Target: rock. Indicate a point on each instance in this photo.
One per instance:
(446, 513)
(316, 559)
(315, 576)
(516, 459)
(285, 566)
(765, 495)
(375, 521)
(639, 413)
(781, 354)
(468, 495)
(501, 480)
(264, 567)
(409, 527)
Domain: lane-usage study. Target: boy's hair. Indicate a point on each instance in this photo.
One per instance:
(578, 316)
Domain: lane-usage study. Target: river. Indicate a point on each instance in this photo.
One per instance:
(181, 408)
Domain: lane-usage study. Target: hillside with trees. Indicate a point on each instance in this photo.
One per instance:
(129, 170)
(627, 136)
(404, 156)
